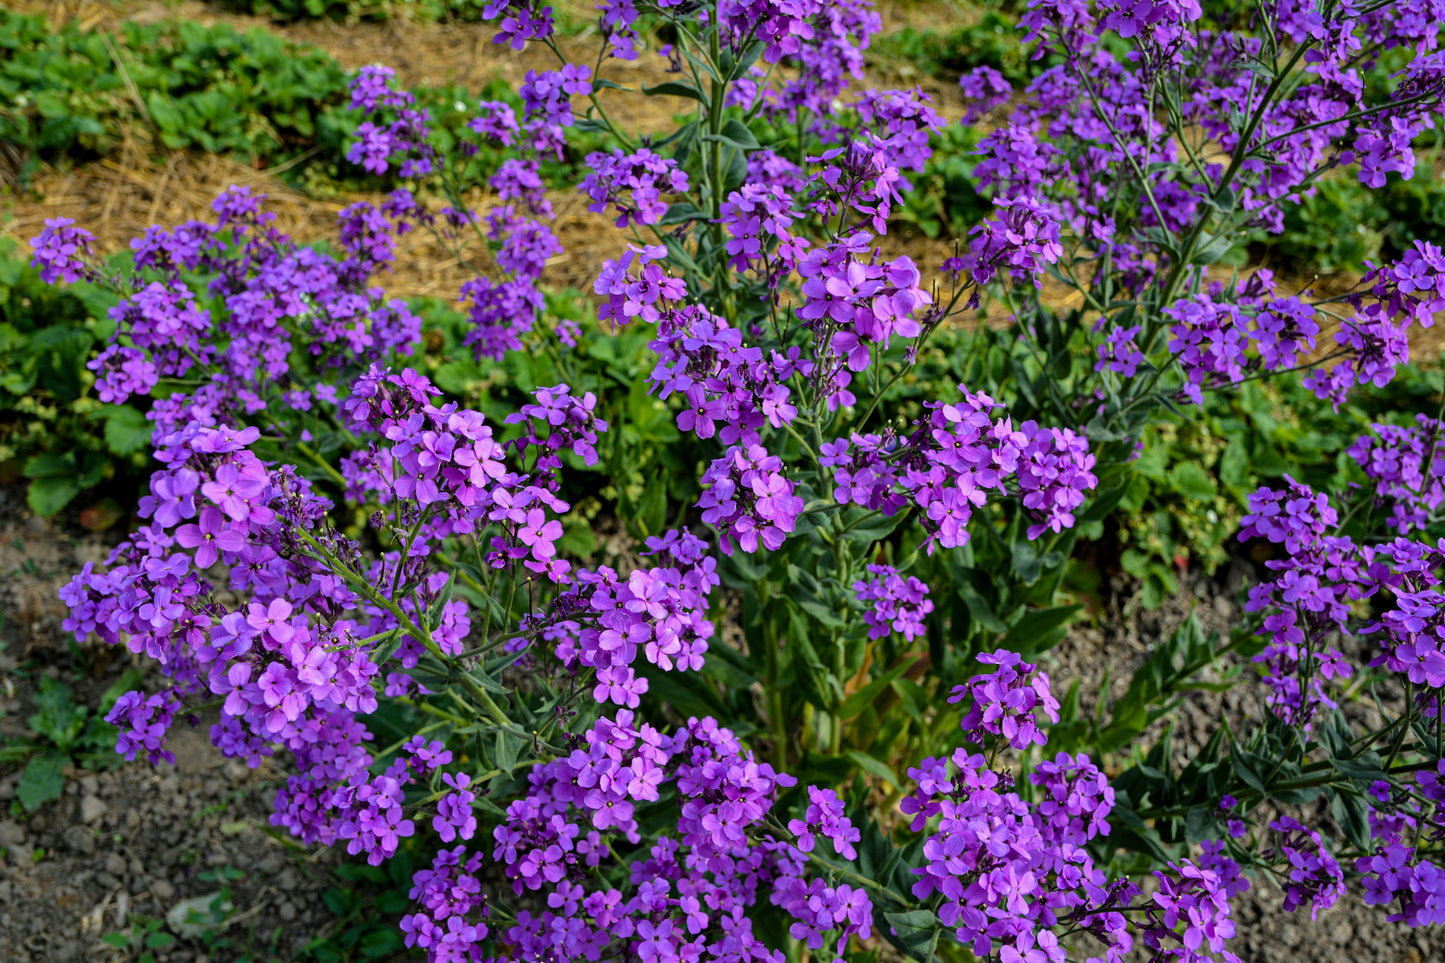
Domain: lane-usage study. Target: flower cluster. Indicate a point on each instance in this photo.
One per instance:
(1004, 701)
(404, 140)
(749, 499)
(143, 722)
(61, 250)
(643, 175)
(1313, 873)
(954, 458)
(1007, 869)
(273, 293)
(895, 603)
(1407, 466)
(660, 612)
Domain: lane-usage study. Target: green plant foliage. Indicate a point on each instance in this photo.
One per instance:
(993, 41)
(65, 96)
(53, 431)
(365, 902)
(352, 11)
(1346, 223)
(68, 92)
(63, 734)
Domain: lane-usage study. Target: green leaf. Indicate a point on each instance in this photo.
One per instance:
(49, 495)
(505, 751)
(747, 58)
(1038, 630)
(1214, 248)
(912, 697)
(1234, 466)
(1352, 812)
(1192, 480)
(874, 767)
(126, 430)
(873, 530)
(913, 931)
(1246, 766)
(864, 697)
(42, 780)
(652, 506)
(673, 88)
(1196, 824)
(57, 718)
(164, 112)
(680, 214)
(818, 609)
(735, 134)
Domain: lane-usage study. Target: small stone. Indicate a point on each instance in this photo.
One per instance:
(1341, 932)
(136, 867)
(5, 891)
(288, 881)
(89, 785)
(164, 889)
(115, 864)
(11, 833)
(91, 809)
(288, 912)
(1290, 935)
(106, 879)
(82, 842)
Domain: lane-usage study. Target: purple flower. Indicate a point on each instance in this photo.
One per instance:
(60, 250)
(897, 603)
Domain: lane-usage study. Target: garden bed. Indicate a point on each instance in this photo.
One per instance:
(770, 507)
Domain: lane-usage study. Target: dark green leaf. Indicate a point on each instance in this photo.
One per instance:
(42, 780)
(126, 429)
(873, 767)
(735, 134)
(673, 88)
(1192, 480)
(913, 931)
(1352, 812)
(47, 496)
(864, 697)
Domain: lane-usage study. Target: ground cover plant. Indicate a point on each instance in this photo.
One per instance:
(794, 707)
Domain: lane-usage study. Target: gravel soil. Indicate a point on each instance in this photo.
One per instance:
(123, 849)
(1118, 641)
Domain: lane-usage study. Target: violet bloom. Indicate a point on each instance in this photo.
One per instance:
(897, 603)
